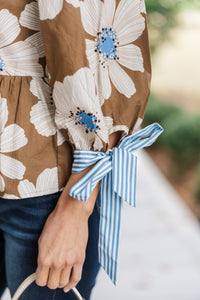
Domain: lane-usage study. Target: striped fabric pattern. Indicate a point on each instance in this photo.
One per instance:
(118, 171)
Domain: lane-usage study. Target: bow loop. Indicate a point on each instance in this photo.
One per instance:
(142, 138)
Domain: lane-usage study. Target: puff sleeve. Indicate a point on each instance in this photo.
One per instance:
(99, 64)
(98, 60)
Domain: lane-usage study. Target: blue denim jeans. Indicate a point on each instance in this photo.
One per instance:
(21, 223)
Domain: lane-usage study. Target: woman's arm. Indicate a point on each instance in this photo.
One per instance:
(63, 241)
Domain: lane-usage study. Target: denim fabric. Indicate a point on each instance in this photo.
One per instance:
(21, 223)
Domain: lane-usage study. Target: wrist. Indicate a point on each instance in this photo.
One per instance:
(78, 207)
(75, 207)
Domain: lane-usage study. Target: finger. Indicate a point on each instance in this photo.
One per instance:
(75, 277)
(42, 274)
(54, 277)
(65, 274)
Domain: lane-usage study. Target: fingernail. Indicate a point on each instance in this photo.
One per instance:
(67, 290)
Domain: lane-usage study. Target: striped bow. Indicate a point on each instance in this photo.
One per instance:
(117, 169)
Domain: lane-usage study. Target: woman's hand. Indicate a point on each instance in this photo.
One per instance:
(62, 244)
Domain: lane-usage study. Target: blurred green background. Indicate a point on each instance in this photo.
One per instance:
(162, 17)
(174, 33)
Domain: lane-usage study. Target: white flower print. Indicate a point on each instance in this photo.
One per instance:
(115, 128)
(36, 41)
(20, 58)
(125, 128)
(75, 3)
(60, 138)
(137, 124)
(143, 6)
(2, 184)
(49, 9)
(10, 196)
(78, 109)
(9, 28)
(46, 182)
(29, 18)
(42, 114)
(12, 138)
(114, 30)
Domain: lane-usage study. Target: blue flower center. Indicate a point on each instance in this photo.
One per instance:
(1, 64)
(87, 120)
(107, 45)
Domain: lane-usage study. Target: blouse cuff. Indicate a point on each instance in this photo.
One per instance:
(118, 170)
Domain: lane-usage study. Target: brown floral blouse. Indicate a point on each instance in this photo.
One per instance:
(71, 73)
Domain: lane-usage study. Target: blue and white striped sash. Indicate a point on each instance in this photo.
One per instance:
(117, 169)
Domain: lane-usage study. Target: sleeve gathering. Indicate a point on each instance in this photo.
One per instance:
(99, 66)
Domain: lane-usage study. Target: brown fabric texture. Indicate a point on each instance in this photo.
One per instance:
(71, 73)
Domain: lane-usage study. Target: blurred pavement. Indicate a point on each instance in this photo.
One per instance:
(159, 247)
(159, 254)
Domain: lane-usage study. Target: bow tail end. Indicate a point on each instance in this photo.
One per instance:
(109, 228)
